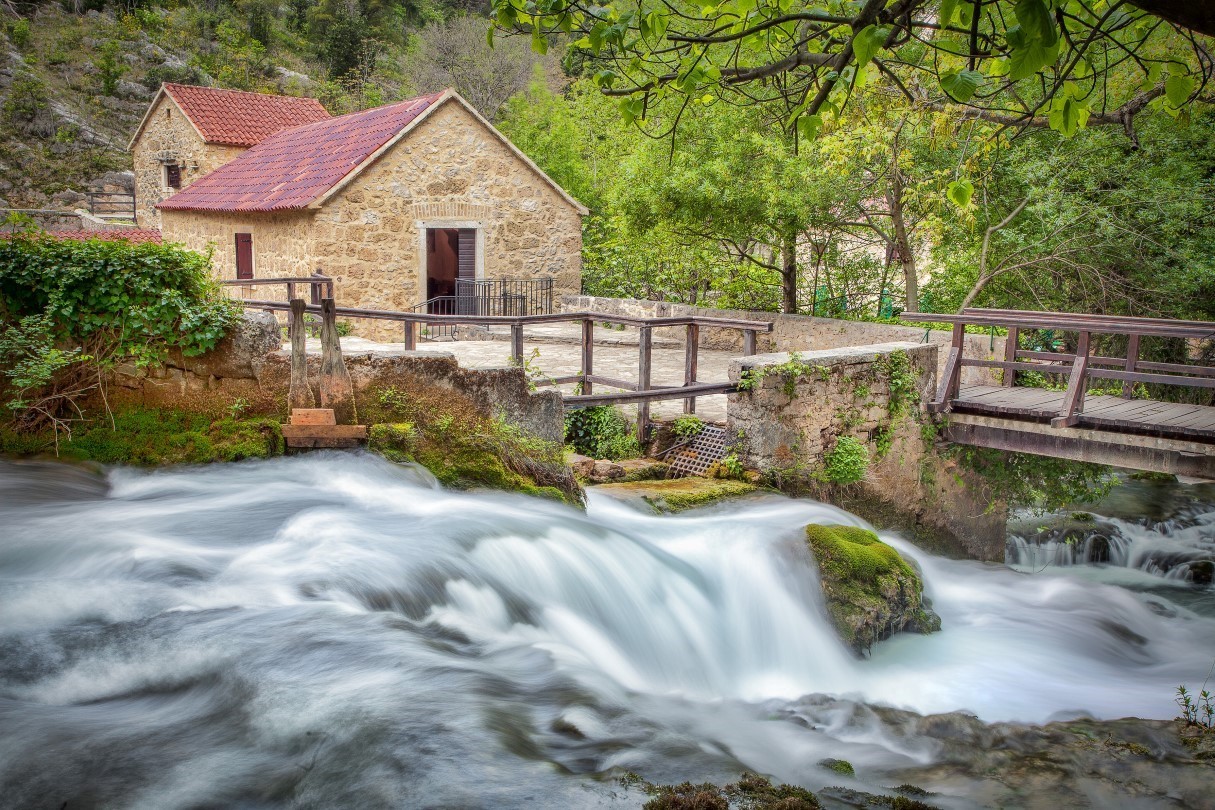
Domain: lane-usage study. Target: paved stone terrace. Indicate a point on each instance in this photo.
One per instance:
(559, 350)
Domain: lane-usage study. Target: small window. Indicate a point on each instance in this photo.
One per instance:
(173, 176)
(244, 255)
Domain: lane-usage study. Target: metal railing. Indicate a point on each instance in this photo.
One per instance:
(504, 297)
(112, 204)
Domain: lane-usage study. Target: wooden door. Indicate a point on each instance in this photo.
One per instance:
(244, 255)
(466, 288)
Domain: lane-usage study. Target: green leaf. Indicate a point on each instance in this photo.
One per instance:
(948, 9)
(539, 43)
(867, 42)
(1177, 90)
(1025, 62)
(959, 193)
(1036, 20)
(961, 85)
(1067, 116)
(808, 126)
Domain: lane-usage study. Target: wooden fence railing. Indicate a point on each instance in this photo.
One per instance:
(1079, 366)
(642, 392)
(112, 204)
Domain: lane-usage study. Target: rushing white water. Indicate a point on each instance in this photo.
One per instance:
(314, 629)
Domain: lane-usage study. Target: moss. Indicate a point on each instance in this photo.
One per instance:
(871, 591)
(840, 766)
(680, 494)
(465, 449)
(152, 437)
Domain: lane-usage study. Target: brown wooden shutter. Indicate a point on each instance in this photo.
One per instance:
(466, 302)
(244, 255)
(173, 175)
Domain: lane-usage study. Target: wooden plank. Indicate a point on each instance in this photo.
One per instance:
(653, 395)
(588, 355)
(613, 382)
(953, 372)
(312, 416)
(1132, 358)
(644, 359)
(691, 350)
(1073, 400)
(1010, 356)
(325, 431)
(319, 443)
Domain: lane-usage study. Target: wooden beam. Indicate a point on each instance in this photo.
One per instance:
(1010, 356)
(299, 394)
(653, 395)
(588, 354)
(516, 343)
(691, 350)
(643, 382)
(953, 372)
(1132, 358)
(1077, 383)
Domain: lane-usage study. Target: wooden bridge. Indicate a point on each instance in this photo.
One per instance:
(1122, 428)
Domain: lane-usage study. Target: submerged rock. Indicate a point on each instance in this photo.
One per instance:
(871, 591)
(677, 494)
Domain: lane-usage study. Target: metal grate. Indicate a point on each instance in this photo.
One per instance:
(704, 451)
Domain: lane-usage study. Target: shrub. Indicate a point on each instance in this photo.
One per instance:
(687, 427)
(847, 462)
(19, 32)
(601, 432)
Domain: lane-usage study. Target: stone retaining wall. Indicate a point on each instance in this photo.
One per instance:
(800, 333)
(251, 368)
(790, 420)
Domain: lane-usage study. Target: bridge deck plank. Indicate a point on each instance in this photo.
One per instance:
(1101, 411)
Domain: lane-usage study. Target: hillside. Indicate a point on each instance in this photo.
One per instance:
(75, 84)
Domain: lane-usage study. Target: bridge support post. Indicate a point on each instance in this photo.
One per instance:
(643, 382)
(953, 372)
(1010, 356)
(1073, 400)
(1132, 360)
(588, 354)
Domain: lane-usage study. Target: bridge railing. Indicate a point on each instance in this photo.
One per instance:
(1079, 366)
(642, 392)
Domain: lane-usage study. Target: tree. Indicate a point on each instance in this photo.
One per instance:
(453, 53)
(1060, 64)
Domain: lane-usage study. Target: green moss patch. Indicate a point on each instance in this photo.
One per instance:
(463, 447)
(153, 437)
(871, 591)
(679, 494)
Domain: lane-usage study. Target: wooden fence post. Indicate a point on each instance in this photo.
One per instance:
(643, 383)
(953, 372)
(1073, 400)
(748, 342)
(516, 343)
(690, 356)
(411, 336)
(1010, 356)
(299, 394)
(1132, 360)
(335, 388)
(588, 354)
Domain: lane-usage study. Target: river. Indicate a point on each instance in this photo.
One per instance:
(334, 630)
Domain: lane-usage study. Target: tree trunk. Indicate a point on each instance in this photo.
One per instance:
(788, 272)
(902, 243)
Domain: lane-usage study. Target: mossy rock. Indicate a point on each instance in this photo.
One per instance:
(473, 459)
(678, 494)
(871, 591)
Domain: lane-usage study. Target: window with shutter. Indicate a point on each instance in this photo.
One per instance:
(244, 255)
(172, 176)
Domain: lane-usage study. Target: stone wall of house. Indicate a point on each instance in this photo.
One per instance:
(251, 367)
(451, 171)
(789, 422)
(798, 333)
(169, 134)
(282, 244)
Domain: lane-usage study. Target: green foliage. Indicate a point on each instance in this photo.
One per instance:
(27, 97)
(896, 368)
(19, 32)
(31, 359)
(1039, 483)
(847, 462)
(156, 437)
(140, 300)
(601, 432)
(687, 427)
(790, 372)
(110, 67)
(841, 766)
(1196, 710)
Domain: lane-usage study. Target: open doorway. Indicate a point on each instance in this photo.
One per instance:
(450, 261)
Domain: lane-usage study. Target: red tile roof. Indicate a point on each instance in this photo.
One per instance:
(133, 235)
(240, 118)
(295, 167)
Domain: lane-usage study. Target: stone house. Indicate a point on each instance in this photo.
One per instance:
(189, 131)
(396, 203)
